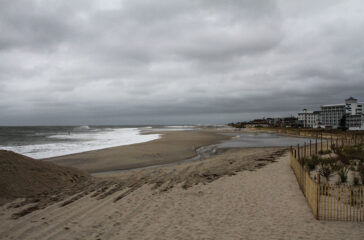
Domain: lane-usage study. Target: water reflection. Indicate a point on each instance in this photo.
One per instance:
(261, 140)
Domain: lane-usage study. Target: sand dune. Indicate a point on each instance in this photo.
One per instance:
(22, 177)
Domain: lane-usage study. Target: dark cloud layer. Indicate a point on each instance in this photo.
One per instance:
(149, 62)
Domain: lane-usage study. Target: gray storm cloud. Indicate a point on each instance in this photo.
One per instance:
(150, 62)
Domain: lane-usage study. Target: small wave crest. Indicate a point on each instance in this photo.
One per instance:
(82, 128)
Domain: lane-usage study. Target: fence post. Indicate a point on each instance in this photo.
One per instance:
(318, 196)
(310, 148)
(304, 149)
(321, 143)
(316, 145)
(298, 153)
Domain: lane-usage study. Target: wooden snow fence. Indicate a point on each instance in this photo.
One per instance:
(327, 201)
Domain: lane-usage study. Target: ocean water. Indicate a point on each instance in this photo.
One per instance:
(45, 142)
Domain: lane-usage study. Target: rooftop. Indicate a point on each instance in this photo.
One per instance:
(308, 112)
(351, 98)
(334, 105)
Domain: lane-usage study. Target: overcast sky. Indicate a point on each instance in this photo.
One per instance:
(175, 62)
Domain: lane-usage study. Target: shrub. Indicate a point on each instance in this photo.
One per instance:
(326, 171)
(323, 152)
(333, 162)
(356, 181)
(352, 152)
(361, 172)
(343, 173)
(336, 149)
(312, 162)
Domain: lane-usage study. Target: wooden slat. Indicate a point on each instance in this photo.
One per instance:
(339, 202)
(355, 216)
(346, 206)
(361, 203)
(334, 211)
(330, 201)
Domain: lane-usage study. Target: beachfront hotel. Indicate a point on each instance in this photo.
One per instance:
(310, 119)
(332, 114)
(349, 113)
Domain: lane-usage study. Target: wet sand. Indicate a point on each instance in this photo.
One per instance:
(172, 147)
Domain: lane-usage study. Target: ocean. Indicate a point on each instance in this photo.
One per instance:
(52, 141)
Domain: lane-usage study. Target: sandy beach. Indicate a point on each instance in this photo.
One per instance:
(242, 193)
(261, 204)
(172, 147)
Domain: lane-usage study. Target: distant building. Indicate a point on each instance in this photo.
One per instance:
(289, 122)
(348, 114)
(257, 123)
(275, 122)
(271, 121)
(354, 118)
(310, 119)
(332, 114)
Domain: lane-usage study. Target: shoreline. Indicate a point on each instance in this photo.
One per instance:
(173, 146)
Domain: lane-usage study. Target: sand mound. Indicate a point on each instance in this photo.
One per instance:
(23, 177)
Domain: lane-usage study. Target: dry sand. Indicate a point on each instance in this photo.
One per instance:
(237, 194)
(172, 147)
(23, 177)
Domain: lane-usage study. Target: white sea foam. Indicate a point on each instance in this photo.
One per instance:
(85, 127)
(83, 141)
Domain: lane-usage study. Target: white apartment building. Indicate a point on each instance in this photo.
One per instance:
(353, 107)
(354, 114)
(310, 119)
(332, 114)
(351, 111)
